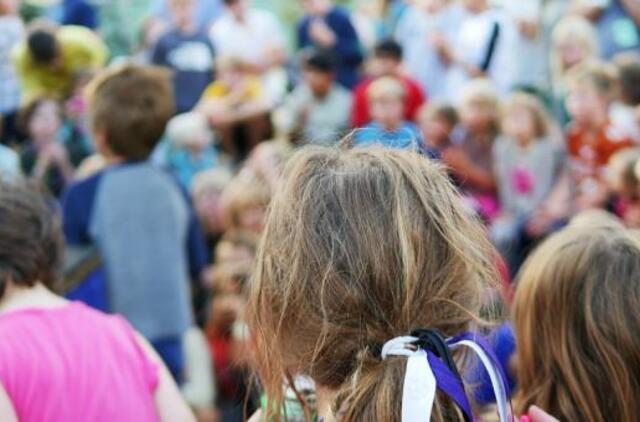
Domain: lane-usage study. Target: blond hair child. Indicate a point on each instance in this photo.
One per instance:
(526, 163)
(191, 149)
(388, 128)
(471, 161)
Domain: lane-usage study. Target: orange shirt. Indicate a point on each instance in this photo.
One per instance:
(590, 152)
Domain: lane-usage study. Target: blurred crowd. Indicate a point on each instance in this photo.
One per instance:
(165, 174)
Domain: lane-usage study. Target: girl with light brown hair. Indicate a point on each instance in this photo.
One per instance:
(368, 263)
(577, 322)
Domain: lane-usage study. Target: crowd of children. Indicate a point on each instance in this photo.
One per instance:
(442, 142)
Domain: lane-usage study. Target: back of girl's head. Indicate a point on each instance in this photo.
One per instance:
(576, 318)
(30, 238)
(362, 246)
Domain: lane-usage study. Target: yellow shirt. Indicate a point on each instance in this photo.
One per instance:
(81, 50)
(219, 90)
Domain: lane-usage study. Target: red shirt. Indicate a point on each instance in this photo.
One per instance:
(360, 116)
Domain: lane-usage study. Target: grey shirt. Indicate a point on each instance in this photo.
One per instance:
(525, 176)
(141, 224)
(328, 118)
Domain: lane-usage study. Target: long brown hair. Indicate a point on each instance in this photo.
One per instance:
(362, 246)
(577, 319)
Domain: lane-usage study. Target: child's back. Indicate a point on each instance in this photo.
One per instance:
(136, 214)
(47, 351)
(141, 223)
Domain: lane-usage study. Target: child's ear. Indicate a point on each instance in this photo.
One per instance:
(101, 144)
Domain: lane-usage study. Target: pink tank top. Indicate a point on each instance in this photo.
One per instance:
(75, 364)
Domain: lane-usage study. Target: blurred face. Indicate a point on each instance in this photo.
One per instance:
(238, 8)
(385, 66)
(475, 6)
(317, 7)
(198, 144)
(585, 106)
(435, 131)
(8, 7)
(475, 118)
(389, 112)
(183, 14)
(571, 53)
(320, 83)
(519, 124)
(253, 218)
(209, 209)
(431, 6)
(231, 77)
(45, 122)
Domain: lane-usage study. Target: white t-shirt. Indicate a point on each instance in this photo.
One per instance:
(251, 40)
(421, 60)
(625, 119)
(532, 64)
(471, 46)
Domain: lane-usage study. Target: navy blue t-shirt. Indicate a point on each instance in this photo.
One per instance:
(191, 58)
(347, 50)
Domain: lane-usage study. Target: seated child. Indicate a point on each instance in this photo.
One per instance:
(389, 127)
(136, 214)
(191, 149)
(386, 63)
(437, 123)
(368, 263)
(317, 111)
(236, 106)
(470, 160)
(575, 317)
(527, 163)
(591, 138)
(53, 150)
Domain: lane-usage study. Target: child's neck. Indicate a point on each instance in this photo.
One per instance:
(324, 401)
(391, 126)
(187, 28)
(596, 123)
(524, 143)
(36, 297)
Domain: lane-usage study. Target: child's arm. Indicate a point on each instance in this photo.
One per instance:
(7, 412)
(170, 405)
(458, 161)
